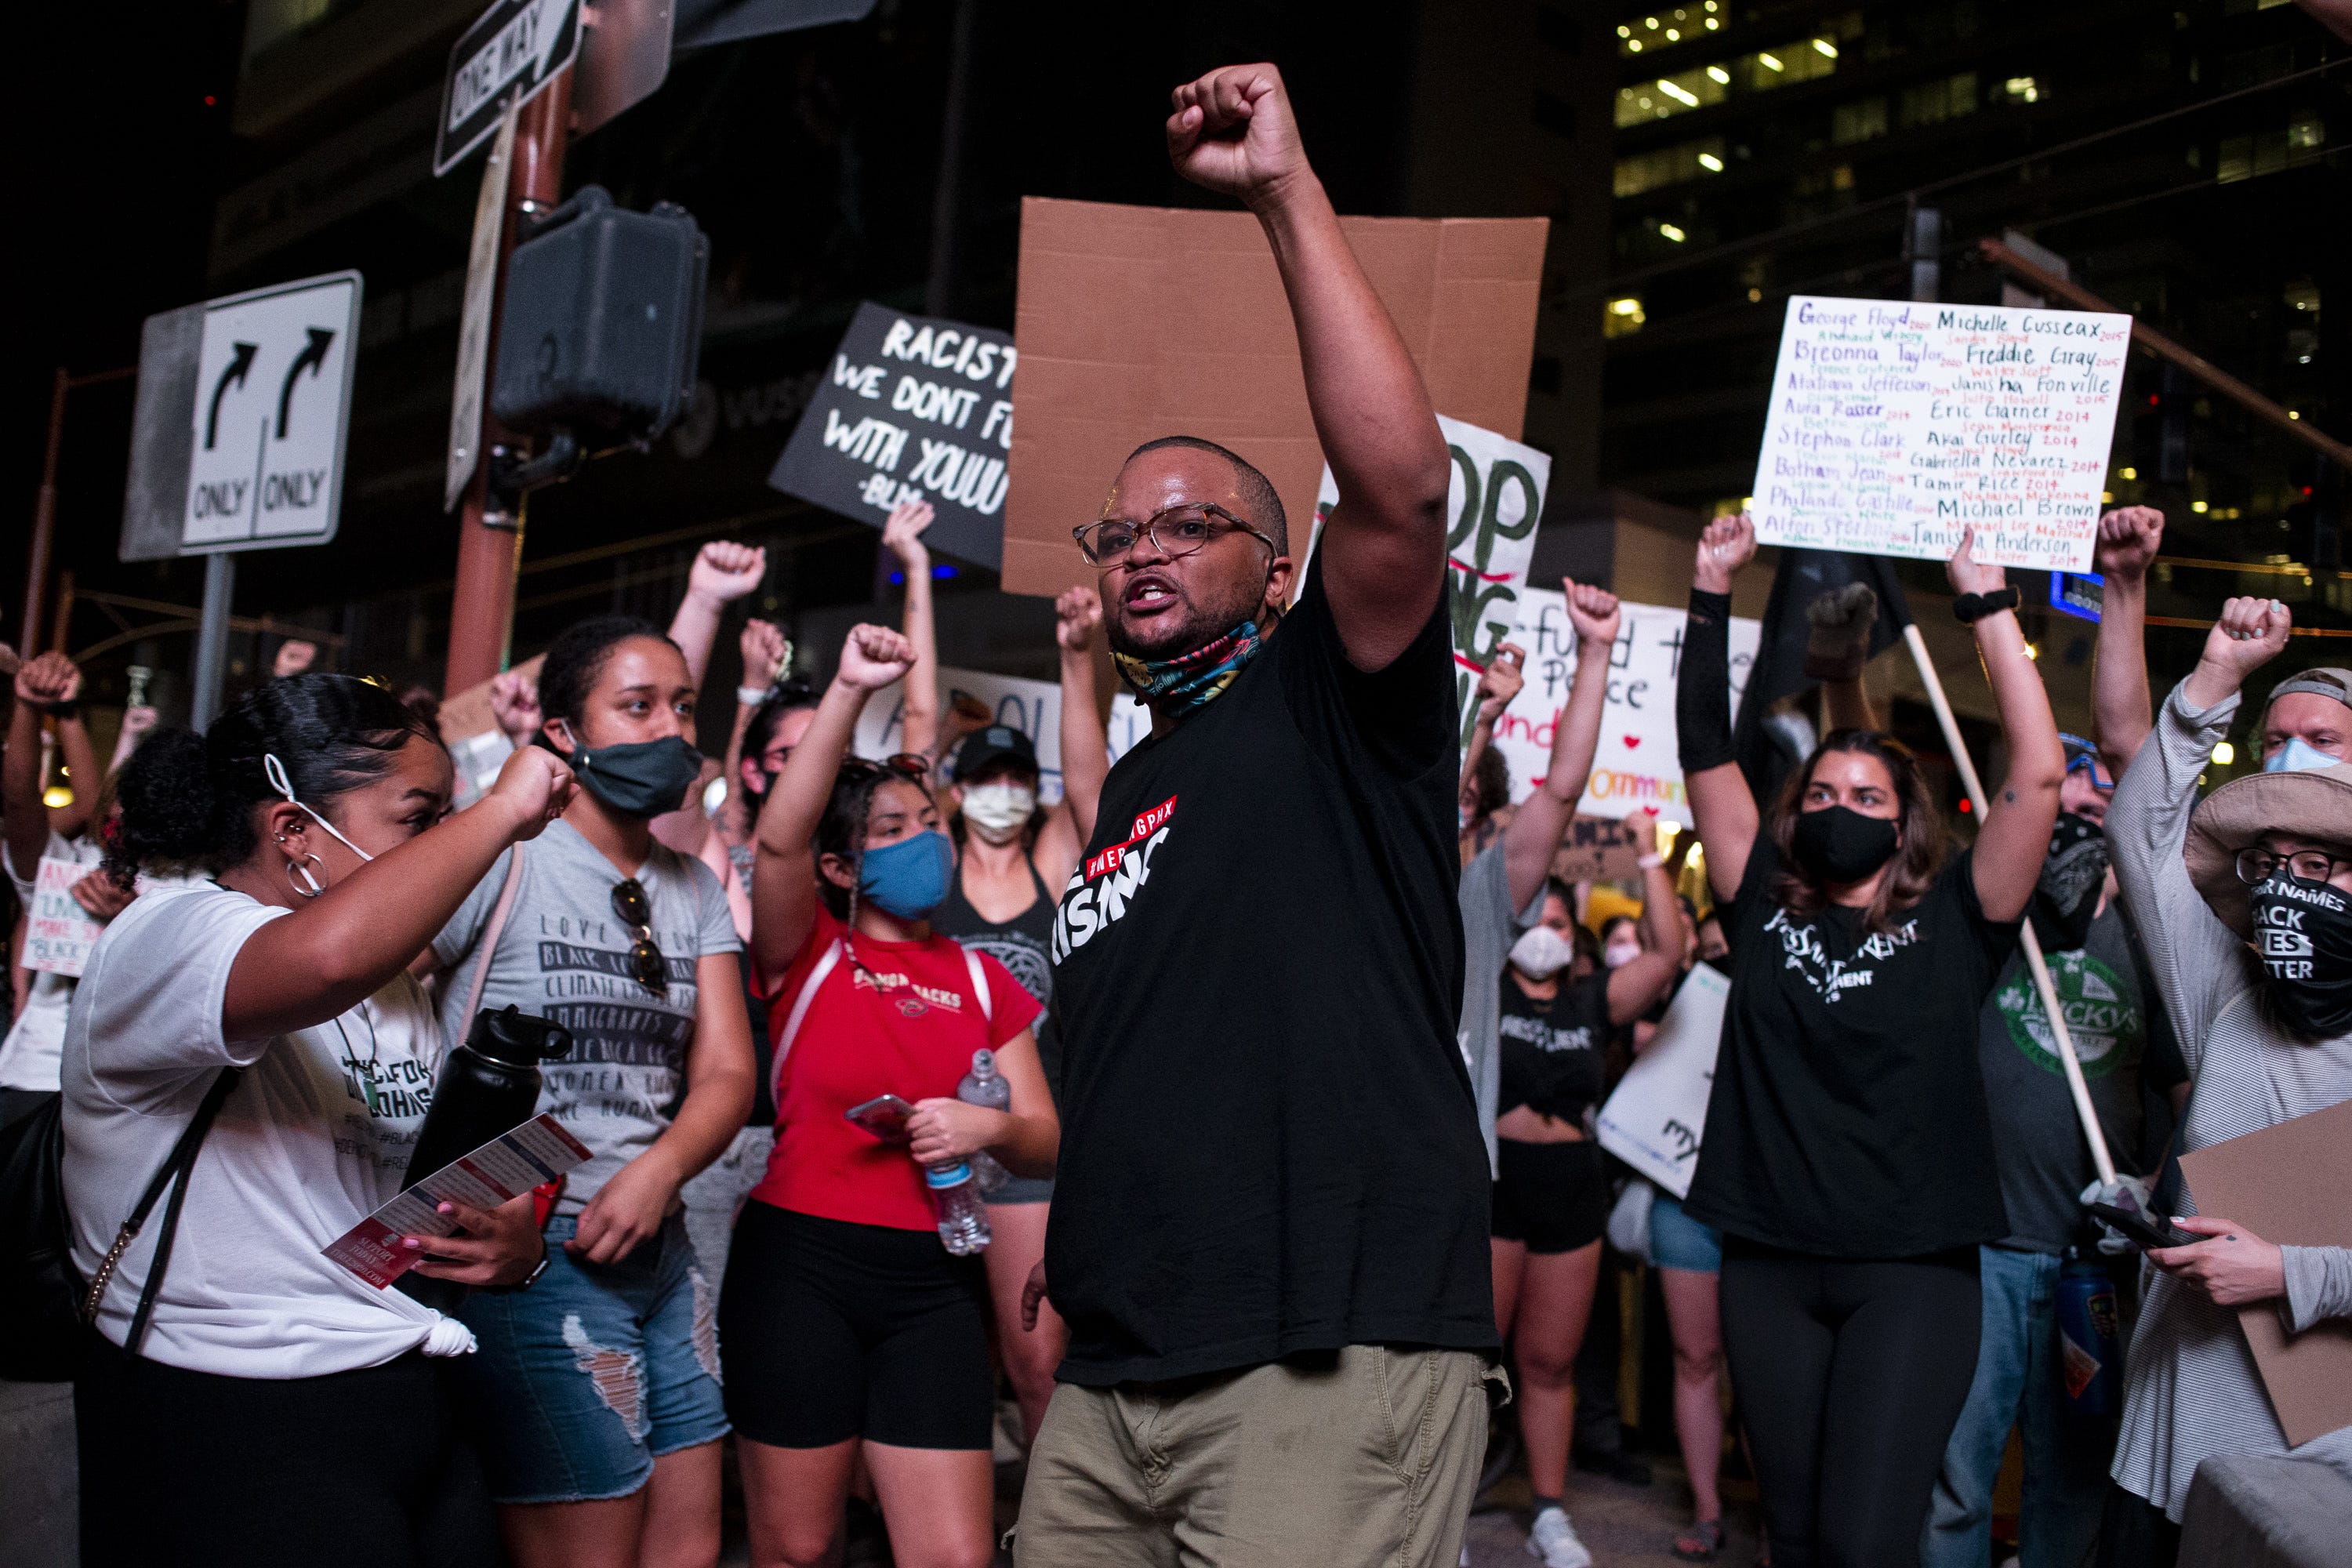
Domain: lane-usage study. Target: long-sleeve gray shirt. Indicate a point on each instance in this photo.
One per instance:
(2193, 1388)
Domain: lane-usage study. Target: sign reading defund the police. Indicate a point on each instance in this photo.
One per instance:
(911, 408)
(273, 390)
(1494, 500)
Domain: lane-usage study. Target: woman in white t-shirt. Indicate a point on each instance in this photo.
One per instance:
(279, 1409)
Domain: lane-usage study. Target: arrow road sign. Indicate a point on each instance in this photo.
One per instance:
(510, 55)
(263, 473)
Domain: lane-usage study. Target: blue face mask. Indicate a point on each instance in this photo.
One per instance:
(909, 879)
(2299, 755)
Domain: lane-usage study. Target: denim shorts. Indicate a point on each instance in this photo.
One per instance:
(580, 1381)
(1678, 1241)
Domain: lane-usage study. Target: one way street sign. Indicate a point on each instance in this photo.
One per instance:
(509, 54)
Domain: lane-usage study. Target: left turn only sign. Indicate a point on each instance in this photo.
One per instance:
(273, 393)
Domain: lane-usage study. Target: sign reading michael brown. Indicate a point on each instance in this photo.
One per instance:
(911, 408)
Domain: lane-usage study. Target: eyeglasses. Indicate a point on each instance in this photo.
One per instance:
(2088, 762)
(1178, 532)
(2258, 866)
(637, 911)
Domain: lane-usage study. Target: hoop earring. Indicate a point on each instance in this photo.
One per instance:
(310, 886)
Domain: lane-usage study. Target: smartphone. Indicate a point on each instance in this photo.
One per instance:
(884, 1116)
(2141, 1230)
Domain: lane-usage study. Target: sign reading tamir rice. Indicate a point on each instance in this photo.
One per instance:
(911, 408)
(1895, 425)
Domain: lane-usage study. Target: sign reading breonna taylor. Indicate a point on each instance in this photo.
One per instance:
(1894, 425)
(911, 408)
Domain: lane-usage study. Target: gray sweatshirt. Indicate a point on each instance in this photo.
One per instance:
(2193, 1389)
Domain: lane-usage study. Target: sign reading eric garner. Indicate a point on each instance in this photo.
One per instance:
(1895, 424)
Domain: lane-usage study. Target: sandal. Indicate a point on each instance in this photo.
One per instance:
(1702, 1543)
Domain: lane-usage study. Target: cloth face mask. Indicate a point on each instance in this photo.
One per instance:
(2300, 756)
(1180, 685)
(2304, 931)
(1839, 845)
(909, 879)
(1541, 953)
(638, 778)
(2067, 896)
(998, 812)
(1619, 953)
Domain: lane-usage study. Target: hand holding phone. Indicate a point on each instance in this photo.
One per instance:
(884, 1117)
(2142, 1228)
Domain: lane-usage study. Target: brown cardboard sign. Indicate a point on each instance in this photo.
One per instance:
(1596, 850)
(1136, 322)
(2290, 1184)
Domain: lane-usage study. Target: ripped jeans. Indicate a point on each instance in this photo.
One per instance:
(582, 1380)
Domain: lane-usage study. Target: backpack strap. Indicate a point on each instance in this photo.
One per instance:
(180, 1162)
(979, 984)
(487, 949)
(825, 965)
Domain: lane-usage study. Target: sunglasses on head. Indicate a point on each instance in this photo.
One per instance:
(637, 911)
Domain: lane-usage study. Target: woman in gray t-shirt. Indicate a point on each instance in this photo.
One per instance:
(597, 1387)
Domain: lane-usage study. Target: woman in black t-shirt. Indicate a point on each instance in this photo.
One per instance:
(1848, 1153)
(1551, 1193)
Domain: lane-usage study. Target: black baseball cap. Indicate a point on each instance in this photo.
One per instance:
(984, 749)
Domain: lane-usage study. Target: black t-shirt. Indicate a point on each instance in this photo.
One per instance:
(1552, 1052)
(1269, 1141)
(1848, 1115)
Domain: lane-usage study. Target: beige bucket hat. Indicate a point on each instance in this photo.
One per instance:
(2313, 803)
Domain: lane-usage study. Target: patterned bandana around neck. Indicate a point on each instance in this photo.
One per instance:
(1178, 686)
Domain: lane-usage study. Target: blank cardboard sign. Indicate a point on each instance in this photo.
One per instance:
(1136, 322)
(2287, 1183)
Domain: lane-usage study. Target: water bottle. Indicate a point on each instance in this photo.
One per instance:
(964, 1218)
(984, 1085)
(487, 1086)
(2089, 1351)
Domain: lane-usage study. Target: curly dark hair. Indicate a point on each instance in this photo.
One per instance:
(1919, 850)
(188, 799)
(791, 696)
(576, 658)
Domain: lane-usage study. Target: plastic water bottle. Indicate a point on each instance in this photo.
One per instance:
(984, 1085)
(2089, 1337)
(964, 1218)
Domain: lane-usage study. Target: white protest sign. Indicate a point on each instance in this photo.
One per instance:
(1894, 425)
(1493, 502)
(1130, 722)
(59, 933)
(1638, 764)
(1032, 706)
(1655, 1119)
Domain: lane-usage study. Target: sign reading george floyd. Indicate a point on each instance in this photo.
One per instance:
(1894, 425)
(911, 408)
(508, 56)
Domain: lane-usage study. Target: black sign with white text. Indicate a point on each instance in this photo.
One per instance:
(910, 407)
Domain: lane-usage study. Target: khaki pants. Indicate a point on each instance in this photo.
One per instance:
(1363, 1458)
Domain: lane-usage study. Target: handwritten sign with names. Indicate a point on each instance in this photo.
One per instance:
(59, 933)
(1895, 424)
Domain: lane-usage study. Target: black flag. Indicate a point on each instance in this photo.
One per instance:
(1766, 753)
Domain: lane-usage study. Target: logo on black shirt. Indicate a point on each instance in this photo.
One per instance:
(1100, 890)
(1833, 977)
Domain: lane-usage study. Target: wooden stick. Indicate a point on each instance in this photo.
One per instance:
(2026, 939)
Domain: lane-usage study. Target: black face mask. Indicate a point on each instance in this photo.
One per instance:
(1839, 845)
(2067, 896)
(2304, 931)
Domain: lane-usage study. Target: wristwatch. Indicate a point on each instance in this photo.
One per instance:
(751, 696)
(1970, 608)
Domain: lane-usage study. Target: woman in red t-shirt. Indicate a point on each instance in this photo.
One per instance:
(843, 1317)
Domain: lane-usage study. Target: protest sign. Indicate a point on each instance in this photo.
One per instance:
(1638, 764)
(911, 408)
(1656, 1117)
(1130, 722)
(500, 1171)
(1894, 425)
(1135, 323)
(1597, 850)
(1493, 500)
(59, 933)
(1032, 706)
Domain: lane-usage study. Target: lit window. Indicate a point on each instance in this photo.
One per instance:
(1667, 166)
(1827, 49)
(1768, 63)
(1710, 163)
(1680, 95)
(1719, 76)
(1671, 232)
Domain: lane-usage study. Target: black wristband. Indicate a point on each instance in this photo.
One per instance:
(1703, 695)
(1970, 608)
(58, 709)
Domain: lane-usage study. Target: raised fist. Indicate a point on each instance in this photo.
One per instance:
(1233, 132)
(1593, 612)
(2130, 537)
(1077, 615)
(2249, 634)
(535, 784)
(764, 652)
(48, 680)
(1728, 543)
(873, 656)
(514, 703)
(1500, 684)
(724, 572)
(1970, 575)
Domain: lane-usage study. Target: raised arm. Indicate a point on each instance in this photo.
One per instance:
(783, 870)
(1384, 545)
(47, 681)
(2129, 540)
(1499, 687)
(764, 653)
(1534, 834)
(138, 721)
(918, 707)
(2015, 837)
(1635, 986)
(1085, 750)
(723, 573)
(1723, 811)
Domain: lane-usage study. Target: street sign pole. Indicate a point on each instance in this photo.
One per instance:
(211, 640)
(489, 549)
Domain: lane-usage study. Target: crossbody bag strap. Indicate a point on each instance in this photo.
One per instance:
(793, 1020)
(979, 984)
(487, 948)
(180, 1163)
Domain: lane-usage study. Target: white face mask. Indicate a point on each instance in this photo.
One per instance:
(1619, 953)
(998, 812)
(1541, 953)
